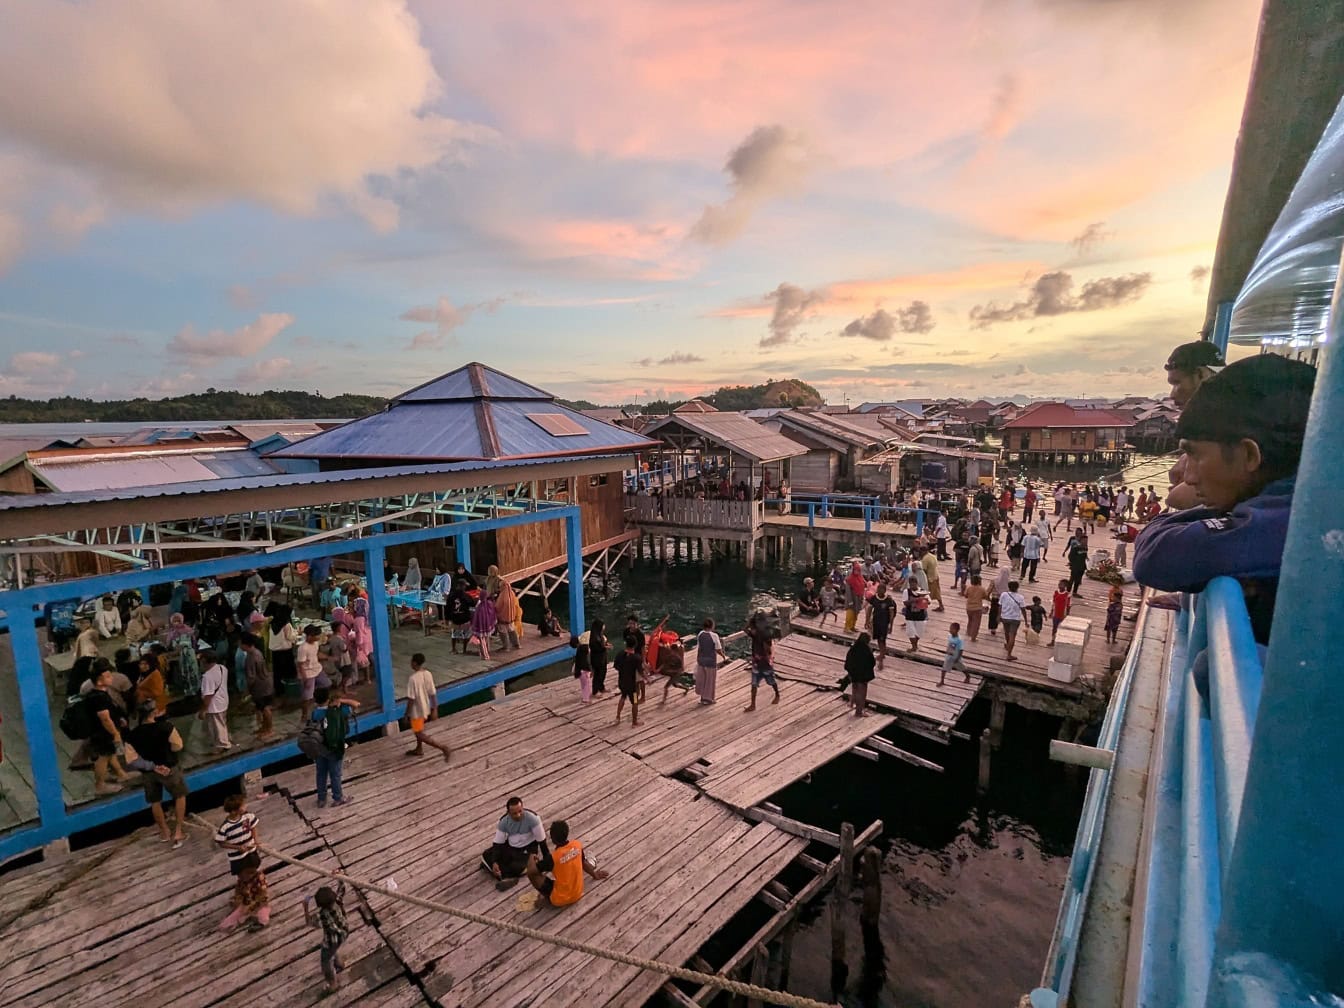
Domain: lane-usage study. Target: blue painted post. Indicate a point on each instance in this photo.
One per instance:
(1222, 326)
(1285, 876)
(825, 505)
(919, 522)
(37, 719)
(811, 514)
(574, 554)
(867, 519)
(462, 549)
(381, 625)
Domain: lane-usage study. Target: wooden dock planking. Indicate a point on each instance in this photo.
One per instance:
(902, 686)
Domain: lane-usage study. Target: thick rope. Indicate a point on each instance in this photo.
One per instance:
(747, 990)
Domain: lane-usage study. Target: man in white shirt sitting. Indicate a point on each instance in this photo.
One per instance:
(518, 835)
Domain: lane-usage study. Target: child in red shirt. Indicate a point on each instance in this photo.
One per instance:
(1059, 607)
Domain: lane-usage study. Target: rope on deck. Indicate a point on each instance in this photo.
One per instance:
(727, 984)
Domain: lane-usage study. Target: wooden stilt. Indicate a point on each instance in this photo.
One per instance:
(760, 966)
(986, 755)
(839, 905)
(997, 712)
(785, 955)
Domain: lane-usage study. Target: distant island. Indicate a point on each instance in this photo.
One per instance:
(729, 398)
(211, 404)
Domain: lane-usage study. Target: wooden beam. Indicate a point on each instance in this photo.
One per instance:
(793, 826)
(677, 996)
(883, 746)
(867, 754)
(1081, 755)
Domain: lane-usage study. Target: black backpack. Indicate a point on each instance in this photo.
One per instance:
(77, 720)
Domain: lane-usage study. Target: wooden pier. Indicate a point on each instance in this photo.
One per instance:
(674, 809)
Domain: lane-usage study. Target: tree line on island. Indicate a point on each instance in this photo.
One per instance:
(215, 404)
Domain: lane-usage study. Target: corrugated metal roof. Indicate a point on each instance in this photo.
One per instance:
(1051, 414)
(734, 431)
(215, 485)
(444, 427)
(72, 473)
(472, 381)
(850, 429)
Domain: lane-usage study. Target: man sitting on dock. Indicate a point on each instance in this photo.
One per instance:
(518, 838)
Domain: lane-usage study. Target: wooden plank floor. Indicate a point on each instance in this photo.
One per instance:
(986, 656)
(902, 687)
(682, 865)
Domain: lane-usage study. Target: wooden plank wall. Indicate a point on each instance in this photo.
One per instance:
(603, 517)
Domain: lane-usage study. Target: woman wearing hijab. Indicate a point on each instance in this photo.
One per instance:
(359, 610)
(859, 665)
(597, 656)
(493, 581)
(510, 614)
(216, 619)
(247, 605)
(855, 590)
(282, 640)
(484, 620)
(413, 576)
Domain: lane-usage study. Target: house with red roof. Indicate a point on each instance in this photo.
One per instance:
(1055, 433)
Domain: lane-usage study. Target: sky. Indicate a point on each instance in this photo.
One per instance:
(616, 201)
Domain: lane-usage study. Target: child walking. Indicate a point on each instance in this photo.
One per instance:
(1115, 608)
(583, 668)
(830, 599)
(1036, 612)
(952, 657)
(1059, 608)
(238, 835)
(324, 910)
(251, 901)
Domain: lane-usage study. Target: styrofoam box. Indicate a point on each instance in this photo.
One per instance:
(1059, 671)
(1079, 623)
(1069, 646)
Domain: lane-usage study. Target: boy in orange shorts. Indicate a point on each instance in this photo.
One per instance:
(422, 705)
(569, 864)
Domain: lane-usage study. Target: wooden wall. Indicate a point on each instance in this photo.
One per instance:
(603, 517)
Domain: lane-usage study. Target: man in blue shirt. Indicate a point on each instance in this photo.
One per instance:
(1242, 435)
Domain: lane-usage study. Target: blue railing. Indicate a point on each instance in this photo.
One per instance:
(1063, 954)
(660, 475)
(822, 506)
(1199, 764)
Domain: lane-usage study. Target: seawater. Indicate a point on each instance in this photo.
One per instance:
(970, 884)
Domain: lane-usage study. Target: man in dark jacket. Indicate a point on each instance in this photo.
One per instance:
(1242, 434)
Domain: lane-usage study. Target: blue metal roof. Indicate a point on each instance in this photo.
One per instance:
(472, 413)
(12, 502)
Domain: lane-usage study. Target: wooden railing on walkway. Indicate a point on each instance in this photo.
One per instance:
(687, 512)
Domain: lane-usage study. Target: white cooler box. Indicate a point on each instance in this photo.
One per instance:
(1069, 644)
(1079, 623)
(1059, 671)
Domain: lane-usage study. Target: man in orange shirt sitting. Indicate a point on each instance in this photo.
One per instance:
(565, 883)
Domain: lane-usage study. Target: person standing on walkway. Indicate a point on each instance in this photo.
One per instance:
(708, 652)
(916, 615)
(106, 723)
(859, 664)
(334, 713)
(629, 664)
(1028, 506)
(308, 665)
(883, 609)
(931, 582)
(422, 705)
(1043, 533)
(1067, 504)
(976, 593)
(1011, 607)
(1115, 609)
(1077, 563)
(324, 910)
(583, 668)
(237, 835)
(598, 648)
(856, 588)
(158, 743)
(941, 533)
(215, 700)
(1031, 554)
(762, 660)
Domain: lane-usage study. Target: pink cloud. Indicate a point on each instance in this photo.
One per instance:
(241, 342)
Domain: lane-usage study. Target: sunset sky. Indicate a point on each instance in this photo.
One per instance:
(613, 200)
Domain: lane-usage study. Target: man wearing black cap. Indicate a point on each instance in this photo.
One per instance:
(1189, 366)
(1242, 433)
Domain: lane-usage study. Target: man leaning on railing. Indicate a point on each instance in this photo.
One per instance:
(1242, 434)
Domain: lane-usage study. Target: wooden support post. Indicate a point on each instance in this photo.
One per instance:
(785, 955)
(839, 905)
(751, 553)
(870, 874)
(997, 712)
(760, 965)
(986, 754)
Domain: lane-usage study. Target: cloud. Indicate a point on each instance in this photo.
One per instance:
(1199, 276)
(1052, 294)
(242, 342)
(133, 100)
(1091, 236)
(773, 161)
(674, 359)
(791, 306)
(445, 317)
(265, 372)
(32, 362)
(882, 325)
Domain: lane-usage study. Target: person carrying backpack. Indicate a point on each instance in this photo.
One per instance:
(324, 738)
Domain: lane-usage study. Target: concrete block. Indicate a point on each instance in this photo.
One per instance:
(1059, 671)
